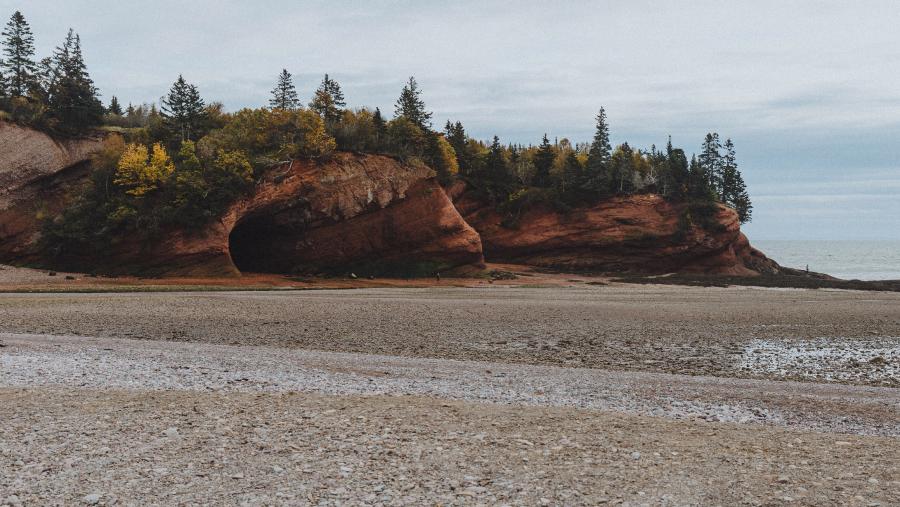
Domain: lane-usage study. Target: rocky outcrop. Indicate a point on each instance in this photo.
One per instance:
(35, 171)
(638, 233)
(367, 214)
(363, 213)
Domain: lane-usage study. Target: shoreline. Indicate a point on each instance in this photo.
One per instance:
(15, 279)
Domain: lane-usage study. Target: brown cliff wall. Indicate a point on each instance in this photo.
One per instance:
(638, 233)
(35, 171)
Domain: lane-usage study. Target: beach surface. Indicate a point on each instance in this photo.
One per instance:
(564, 392)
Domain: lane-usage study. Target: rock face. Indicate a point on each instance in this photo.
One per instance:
(366, 213)
(360, 213)
(638, 233)
(35, 170)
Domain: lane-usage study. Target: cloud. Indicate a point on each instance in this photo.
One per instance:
(805, 88)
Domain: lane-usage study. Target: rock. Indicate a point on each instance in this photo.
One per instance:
(12, 501)
(35, 171)
(639, 233)
(368, 213)
(92, 499)
(171, 432)
(635, 455)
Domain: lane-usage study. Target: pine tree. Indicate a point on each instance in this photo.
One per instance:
(600, 152)
(698, 181)
(742, 203)
(184, 109)
(596, 177)
(677, 173)
(284, 96)
(114, 106)
(456, 136)
(18, 49)
(72, 97)
(411, 106)
(543, 162)
(380, 129)
(734, 190)
(498, 177)
(710, 161)
(328, 101)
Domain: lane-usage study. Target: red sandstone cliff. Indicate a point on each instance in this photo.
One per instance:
(35, 171)
(369, 214)
(638, 233)
(353, 212)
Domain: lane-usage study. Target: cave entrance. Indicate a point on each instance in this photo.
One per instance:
(266, 243)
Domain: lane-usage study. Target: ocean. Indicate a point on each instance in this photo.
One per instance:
(862, 260)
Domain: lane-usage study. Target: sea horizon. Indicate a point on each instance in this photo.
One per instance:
(842, 258)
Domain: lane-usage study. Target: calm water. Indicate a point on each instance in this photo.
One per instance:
(863, 260)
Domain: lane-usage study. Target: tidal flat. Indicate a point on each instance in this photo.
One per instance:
(575, 394)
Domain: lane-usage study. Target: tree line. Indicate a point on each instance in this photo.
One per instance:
(55, 93)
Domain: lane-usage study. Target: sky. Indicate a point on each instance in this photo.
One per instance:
(808, 90)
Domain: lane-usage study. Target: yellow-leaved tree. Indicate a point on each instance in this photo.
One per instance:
(141, 170)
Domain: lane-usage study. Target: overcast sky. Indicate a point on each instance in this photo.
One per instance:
(808, 91)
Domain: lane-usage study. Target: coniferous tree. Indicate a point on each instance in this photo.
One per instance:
(698, 181)
(411, 106)
(599, 154)
(543, 162)
(678, 172)
(72, 97)
(456, 136)
(380, 127)
(498, 178)
(18, 51)
(284, 96)
(328, 101)
(600, 151)
(734, 190)
(710, 161)
(183, 109)
(742, 203)
(114, 106)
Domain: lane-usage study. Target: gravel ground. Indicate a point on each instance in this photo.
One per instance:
(687, 330)
(76, 447)
(104, 363)
(451, 397)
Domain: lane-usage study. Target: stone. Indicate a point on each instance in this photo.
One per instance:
(92, 499)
